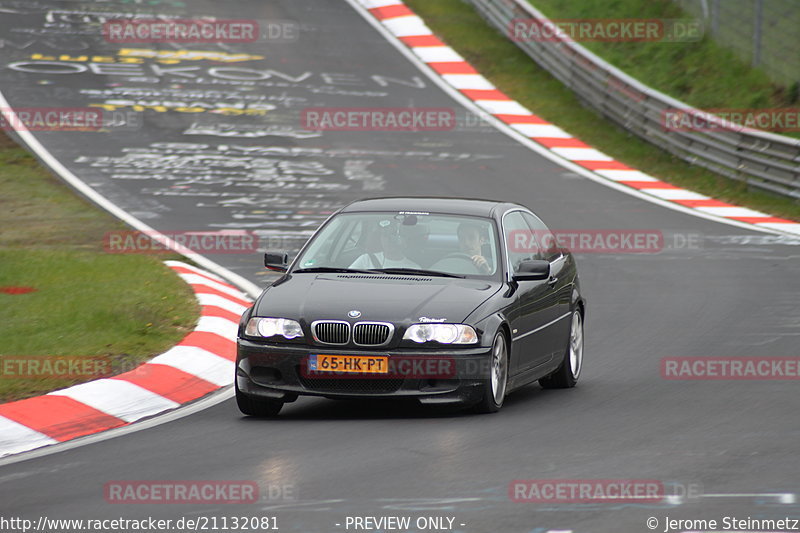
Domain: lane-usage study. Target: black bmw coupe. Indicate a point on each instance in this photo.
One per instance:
(442, 300)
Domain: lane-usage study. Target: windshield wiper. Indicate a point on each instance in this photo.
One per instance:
(418, 271)
(331, 269)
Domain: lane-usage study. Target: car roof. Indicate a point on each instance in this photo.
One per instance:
(452, 206)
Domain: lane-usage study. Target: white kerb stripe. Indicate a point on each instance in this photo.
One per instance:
(194, 269)
(502, 107)
(436, 54)
(406, 26)
(541, 130)
(372, 4)
(732, 212)
(118, 398)
(781, 226)
(198, 362)
(676, 194)
(220, 326)
(220, 301)
(582, 154)
(625, 175)
(194, 279)
(468, 81)
(16, 438)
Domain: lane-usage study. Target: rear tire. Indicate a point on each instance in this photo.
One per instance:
(495, 390)
(566, 376)
(258, 407)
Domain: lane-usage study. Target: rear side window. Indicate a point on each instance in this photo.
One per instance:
(545, 240)
(517, 235)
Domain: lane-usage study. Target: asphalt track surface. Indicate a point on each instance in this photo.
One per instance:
(732, 294)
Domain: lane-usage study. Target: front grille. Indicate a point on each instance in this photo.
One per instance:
(331, 332)
(372, 333)
(351, 385)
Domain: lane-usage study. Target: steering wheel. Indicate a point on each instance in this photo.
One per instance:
(458, 255)
(473, 269)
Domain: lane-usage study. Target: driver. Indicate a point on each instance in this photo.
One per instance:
(471, 242)
(392, 254)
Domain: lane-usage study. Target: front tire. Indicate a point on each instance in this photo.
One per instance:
(570, 370)
(495, 390)
(258, 407)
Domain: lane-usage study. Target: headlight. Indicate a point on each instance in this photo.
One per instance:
(443, 333)
(270, 327)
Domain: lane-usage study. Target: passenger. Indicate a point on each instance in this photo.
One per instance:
(392, 254)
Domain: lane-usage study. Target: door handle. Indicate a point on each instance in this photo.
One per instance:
(552, 281)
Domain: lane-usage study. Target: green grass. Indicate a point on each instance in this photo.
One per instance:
(87, 302)
(516, 74)
(703, 74)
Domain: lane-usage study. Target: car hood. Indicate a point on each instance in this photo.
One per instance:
(388, 298)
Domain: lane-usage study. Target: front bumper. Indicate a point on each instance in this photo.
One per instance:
(281, 372)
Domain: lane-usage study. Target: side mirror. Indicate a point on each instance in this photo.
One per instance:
(277, 261)
(532, 270)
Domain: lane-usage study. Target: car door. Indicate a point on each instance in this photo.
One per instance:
(532, 344)
(556, 332)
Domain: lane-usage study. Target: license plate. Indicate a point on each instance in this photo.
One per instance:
(356, 364)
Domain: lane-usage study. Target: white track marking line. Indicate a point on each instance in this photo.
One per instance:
(437, 80)
(784, 228)
(128, 401)
(786, 498)
(56, 166)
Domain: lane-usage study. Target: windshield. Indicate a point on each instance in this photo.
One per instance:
(450, 244)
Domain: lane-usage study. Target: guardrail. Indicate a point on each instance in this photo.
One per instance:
(762, 159)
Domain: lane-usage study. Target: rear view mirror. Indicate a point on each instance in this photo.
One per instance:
(532, 270)
(277, 261)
